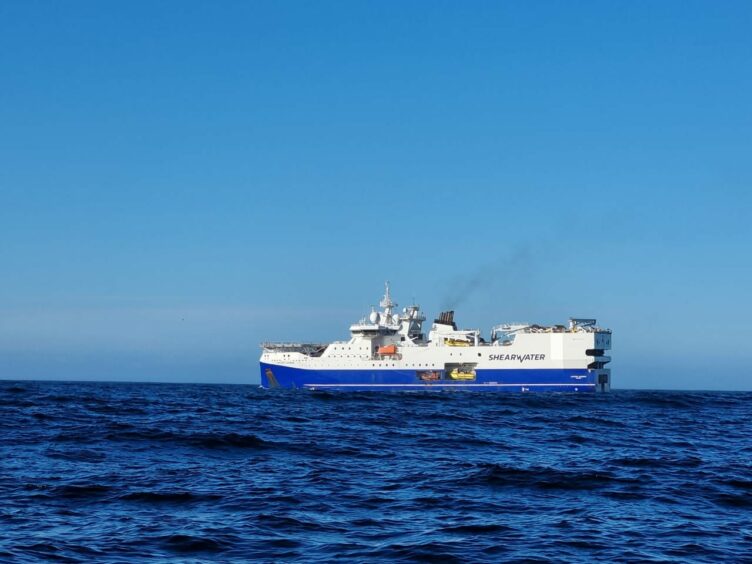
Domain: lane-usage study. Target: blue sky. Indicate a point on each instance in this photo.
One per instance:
(181, 180)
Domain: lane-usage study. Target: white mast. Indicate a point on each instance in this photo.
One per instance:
(387, 304)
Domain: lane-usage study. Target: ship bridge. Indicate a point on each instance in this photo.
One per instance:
(407, 325)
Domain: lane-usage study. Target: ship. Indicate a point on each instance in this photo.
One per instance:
(389, 350)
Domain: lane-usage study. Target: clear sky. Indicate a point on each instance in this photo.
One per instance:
(182, 180)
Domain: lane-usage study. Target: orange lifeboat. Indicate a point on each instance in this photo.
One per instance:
(429, 375)
(388, 349)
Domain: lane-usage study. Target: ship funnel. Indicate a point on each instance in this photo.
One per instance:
(446, 318)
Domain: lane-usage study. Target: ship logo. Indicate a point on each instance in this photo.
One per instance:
(271, 378)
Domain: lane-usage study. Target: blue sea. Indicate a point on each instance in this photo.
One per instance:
(115, 472)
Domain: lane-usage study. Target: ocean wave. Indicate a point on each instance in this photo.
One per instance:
(199, 440)
(191, 544)
(177, 497)
(132, 472)
(656, 462)
(478, 528)
(543, 477)
(81, 491)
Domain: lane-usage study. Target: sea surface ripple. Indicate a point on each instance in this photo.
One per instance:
(116, 472)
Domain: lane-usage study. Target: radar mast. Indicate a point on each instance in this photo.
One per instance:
(387, 303)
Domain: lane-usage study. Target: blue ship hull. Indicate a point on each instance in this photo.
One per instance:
(508, 380)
